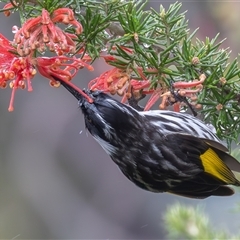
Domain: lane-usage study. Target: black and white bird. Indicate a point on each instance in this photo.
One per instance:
(159, 150)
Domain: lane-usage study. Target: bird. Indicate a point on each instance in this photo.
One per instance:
(159, 150)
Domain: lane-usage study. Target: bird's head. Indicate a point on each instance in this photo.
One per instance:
(103, 115)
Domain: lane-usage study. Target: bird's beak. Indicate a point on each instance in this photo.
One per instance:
(77, 93)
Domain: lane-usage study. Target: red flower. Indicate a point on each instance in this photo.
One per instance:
(41, 32)
(19, 70)
(119, 81)
(15, 69)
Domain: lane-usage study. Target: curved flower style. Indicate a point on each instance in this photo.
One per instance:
(51, 68)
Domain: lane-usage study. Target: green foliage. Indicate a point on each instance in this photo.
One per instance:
(191, 223)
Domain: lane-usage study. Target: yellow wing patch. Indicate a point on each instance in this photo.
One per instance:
(215, 166)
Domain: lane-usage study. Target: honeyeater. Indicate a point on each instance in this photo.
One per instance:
(159, 150)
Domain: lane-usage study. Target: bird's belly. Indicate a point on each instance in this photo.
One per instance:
(145, 180)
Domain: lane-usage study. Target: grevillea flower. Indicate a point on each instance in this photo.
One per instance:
(41, 32)
(113, 81)
(18, 60)
(119, 81)
(18, 71)
(14, 69)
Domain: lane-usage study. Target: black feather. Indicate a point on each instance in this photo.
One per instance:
(159, 151)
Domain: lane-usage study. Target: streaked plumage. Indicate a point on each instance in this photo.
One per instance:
(160, 151)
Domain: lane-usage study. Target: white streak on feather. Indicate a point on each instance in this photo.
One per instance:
(138, 177)
(172, 119)
(108, 148)
(107, 129)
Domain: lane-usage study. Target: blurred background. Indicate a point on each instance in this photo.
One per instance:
(56, 182)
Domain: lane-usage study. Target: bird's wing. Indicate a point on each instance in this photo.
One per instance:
(170, 122)
(210, 154)
(215, 144)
